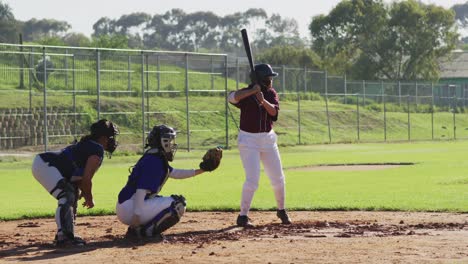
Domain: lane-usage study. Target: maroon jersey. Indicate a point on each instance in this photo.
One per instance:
(254, 118)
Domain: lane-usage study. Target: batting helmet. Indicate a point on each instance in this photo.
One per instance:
(261, 71)
(163, 137)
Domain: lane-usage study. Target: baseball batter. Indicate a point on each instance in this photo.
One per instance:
(139, 206)
(65, 173)
(257, 142)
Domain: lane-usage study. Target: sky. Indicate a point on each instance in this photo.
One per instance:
(82, 14)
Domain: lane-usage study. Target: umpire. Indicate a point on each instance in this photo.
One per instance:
(67, 172)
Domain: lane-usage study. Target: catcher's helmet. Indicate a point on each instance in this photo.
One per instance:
(261, 71)
(163, 138)
(107, 129)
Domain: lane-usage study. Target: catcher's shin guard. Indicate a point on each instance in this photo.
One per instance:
(65, 216)
(166, 218)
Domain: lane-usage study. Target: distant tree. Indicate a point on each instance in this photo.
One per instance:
(8, 24)
(50, 41)
(126, 23)
(461, 14)
(369, 40)
(35, 29)
(230, 39)
(76, 40)
(6, 12)
(290, 56)
(178, 30)
(156, 33)
(112, 41)
(278, 32)
(132, 25)
(197, 30)
(103, 26)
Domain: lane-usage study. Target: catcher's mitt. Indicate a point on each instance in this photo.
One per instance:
(211, 159)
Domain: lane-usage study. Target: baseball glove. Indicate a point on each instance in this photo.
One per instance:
(211, 159)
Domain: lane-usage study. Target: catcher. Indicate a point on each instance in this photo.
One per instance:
(139, 206)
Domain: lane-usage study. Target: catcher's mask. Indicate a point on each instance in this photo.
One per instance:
(107, 129)
(163, 137)
(262, 74)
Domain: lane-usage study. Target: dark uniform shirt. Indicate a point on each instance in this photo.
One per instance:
(149, 173)
(254, 118)
(71, 161)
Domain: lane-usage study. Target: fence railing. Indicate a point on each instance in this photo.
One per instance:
(50, 95)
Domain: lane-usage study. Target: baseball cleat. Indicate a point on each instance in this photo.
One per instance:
(244, 221)
(284, 217)
(65, 241)
(132, 233)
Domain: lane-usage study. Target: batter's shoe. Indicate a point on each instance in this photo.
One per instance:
(244, 221)
(65, 241)
(285, 220)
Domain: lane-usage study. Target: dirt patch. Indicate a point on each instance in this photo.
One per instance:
(211, 237)
(350, 167)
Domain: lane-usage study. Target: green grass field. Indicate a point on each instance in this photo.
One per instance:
(437, 182)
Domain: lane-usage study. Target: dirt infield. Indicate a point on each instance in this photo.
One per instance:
(211, 237)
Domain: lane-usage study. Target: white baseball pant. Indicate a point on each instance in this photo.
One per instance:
(253, 148)
(151, 208)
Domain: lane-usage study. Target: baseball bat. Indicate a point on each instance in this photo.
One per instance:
(248, 50)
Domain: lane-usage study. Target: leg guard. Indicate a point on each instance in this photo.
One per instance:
(65, 216)
(167, 218)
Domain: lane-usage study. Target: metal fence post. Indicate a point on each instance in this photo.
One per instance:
(462, 87)
(384, 112)
(345, 89)
(409, 117)
(454, 110)
(147, 87)
(98, 82)
(74, 96)
(187, 100)
(158, 69)
(212, 71)
(65, 59)
(31, 76)
(283, 78)
(326, 107)
(305, 79)
(399, 93)
(46, 132)
(364, 92)
(129, 73)
(357, 118)
(21, 63)
(432, 110)
(416, 93)
(143, 114)
(226, 106)
(298, 115)
(237, 73)
(32, 131)
(326, 82)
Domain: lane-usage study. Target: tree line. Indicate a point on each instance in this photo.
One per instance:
(364, 39)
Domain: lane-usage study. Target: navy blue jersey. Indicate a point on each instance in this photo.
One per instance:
(71, 161)
(255, 118)
(149, 173)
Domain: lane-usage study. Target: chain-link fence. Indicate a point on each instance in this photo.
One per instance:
(51, 95)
